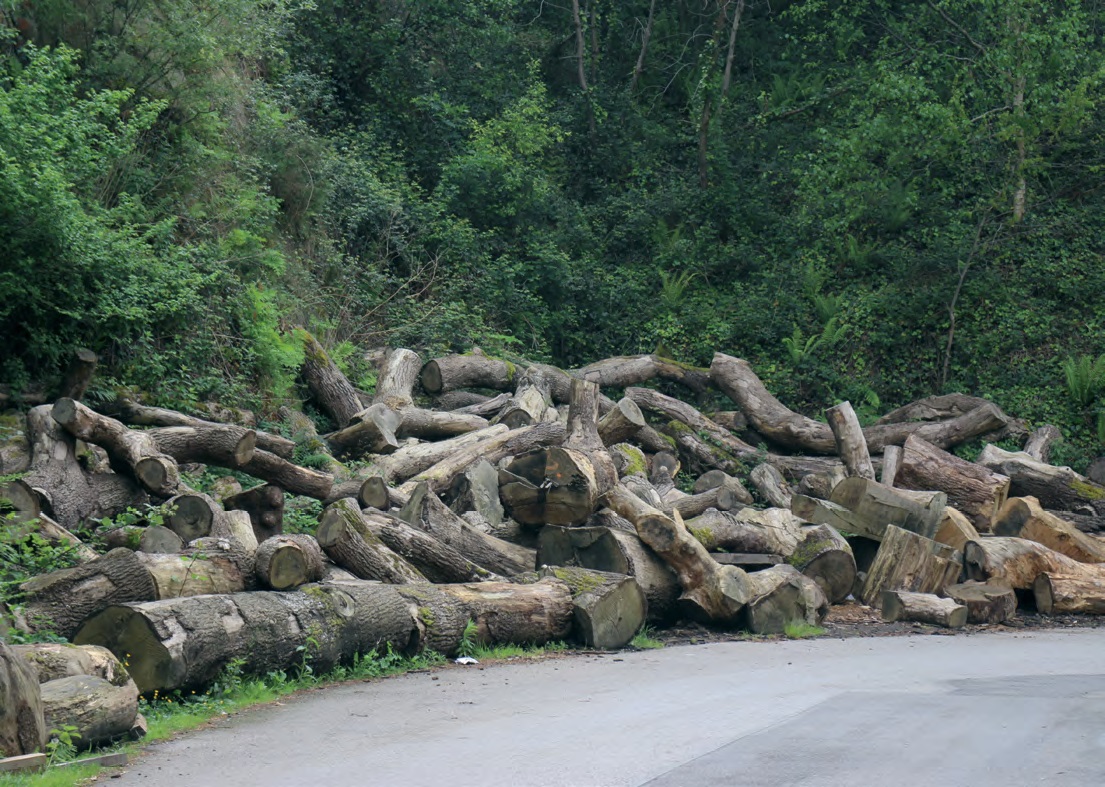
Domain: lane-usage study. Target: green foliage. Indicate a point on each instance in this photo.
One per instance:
(1085, 376)
(644, 639)
(799, 629)
(469, 642)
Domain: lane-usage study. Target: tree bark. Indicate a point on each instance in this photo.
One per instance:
(975, 491)
(626, 371)
(532, 402)
(875, 506)
(720, 499)
(22, 727)
(285, 562)
(825, 556)
(410, 460)
(328, 386)
(100, 711)
(265, 506)
(1022, 517)
(292, 478)
(955, 530)
(433, 558)
(1016, 562)
(716, 478)
(985, 602)
(771, 485)
(907, 561)
(851, 445)
(773, 531)
(221, 444)
(370, 431)
(1055, 487)
(607, 609)
(347, 540)
(79, 375)
(1065, 593)
(474, 370)
(1041, 441)
(195, 573)
(923, 608)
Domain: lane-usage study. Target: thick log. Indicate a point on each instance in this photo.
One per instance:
(474, 370)
(1055, 487)
(285, 562)
(825, 556)
(520, 614)
(691, 506)
(78, 376)
(955, 530)
(347, 540)
(891, 460)
(934, 408)
(61, 600)
(98, 710)
(851, 445)
(771, 485)
(532, 402)
(608, 609)
(434, 559)
(617, 551)
(369, 431)
(22, 727)
(220, 444)
(477, 489)
(1087, 523)
(292, 478)
(1022, 517)
(131, 451)
(772, 531)
(554, 486)
(1065, 593)
(622, 423)
(986, 602)
(53, 660)
(265, 506)
(396, 381)
(824, 512)
(427, 513)
(191, 515)
(328, 386)
(907, 561)
(974, 490)
(874, 506)
(923, 608)
(1016, 562)
(781, 595)
(197, 572)
(622, 372)
(410, 460)
(433, 425)
(1041, 440)
(159, 540)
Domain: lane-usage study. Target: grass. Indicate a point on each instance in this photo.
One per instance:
(643, 640)
(797, 629)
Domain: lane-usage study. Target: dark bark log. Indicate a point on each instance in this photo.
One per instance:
(907, 561)
(1017, 562)
(1085, 522)
(61, 600)
(781, 595)
(51, 661)
(22, 727)
(675, 410)
(79, 375)
(466, 400)
(222, 444)
(1064, 594)
(285, 562)
(771, 485)
(622, 423)
(955, 529)
(851, 445)
(608, 609)
(131, 451)
(370, 431)
(985, 602)
(1022, 517)
(347, 540)
(433, 558)
(410, 460)
(1041, 441)
(265, 506)
(825, 556)
(1055, 487)
(292, 478)
(328, 386)
(975, 491)
(923, 608)
(99, 711)
(395, 384)
(475, 370)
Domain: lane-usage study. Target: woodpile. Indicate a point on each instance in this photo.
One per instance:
(546, 504)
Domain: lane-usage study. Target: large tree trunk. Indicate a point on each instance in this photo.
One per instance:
(292, 478)
(348, 541)
(974, 490)
(1055, 487)
(192, 515)
(608, 609)
(433, 558)
(986, 602)
(131, 451)
(515, 614)
(850, 443)
(781, 595)
(1064, 593)
(99, 710)
(825, 556)
(907, 561)
(923, 608)
(874, 506)
(617, 551)
(220, 444)
(773, 531)
(329, 387)
(265, 506)
(51, 660)
(1017, 562)
(287, 561)
(61, 600)
(22, 727)
(1022, 517)
(410, 460)
(474, 370)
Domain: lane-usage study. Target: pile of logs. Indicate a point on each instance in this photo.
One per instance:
(526, 501)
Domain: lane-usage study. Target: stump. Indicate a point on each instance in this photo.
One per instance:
(100, 710)
(986, 602)
(923, 608)
(285, 562)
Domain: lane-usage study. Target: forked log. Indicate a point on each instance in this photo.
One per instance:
(923, 608)
(771, 485)
(772, 531)
(907, 561)
(1022, 517)
(94, 710)
(851, 446)
(607, 609)
(347, 540)
(986, 602)
(1066, 593)
(433, 558)
(1055, 487)
(971, 488)
(265, 506)
(286, 562)
(825, 556)
(1017, 562)
(328, 386)
(22, 727)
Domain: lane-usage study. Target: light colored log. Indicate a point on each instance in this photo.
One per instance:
(923, 608)
(971, 488)
(891, 460)
(286, 562)
(53, 660)
(622, 423)
(955, 529)
(875, 506)
(907, 561)
(1022, 517)
(22, 727)
(347, 540)
(97, 710)
(851, 445)
(1041, 440)
(1057, 488)
(825, 556)
(1065, 593)
(986, 602)
(774, 531)
(1016, 562)
(771, 485)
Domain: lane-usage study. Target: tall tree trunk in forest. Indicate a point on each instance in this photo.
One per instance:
(704, 122)
(645, 36)
(581, 64)
(964, 267)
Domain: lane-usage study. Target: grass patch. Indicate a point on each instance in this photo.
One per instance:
(643, 639)
(797, 629)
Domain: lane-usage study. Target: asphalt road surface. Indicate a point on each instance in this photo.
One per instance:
(931, 711)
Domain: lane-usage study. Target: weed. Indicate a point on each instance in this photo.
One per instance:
(797, 629)
(644, 639)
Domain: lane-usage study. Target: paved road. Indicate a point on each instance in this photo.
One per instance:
(978, 710)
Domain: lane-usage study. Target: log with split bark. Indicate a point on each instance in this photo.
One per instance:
(986, 602)
(23, 729)
(923, 608)
(974, 490)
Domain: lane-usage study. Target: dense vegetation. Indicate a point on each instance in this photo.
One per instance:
(873, 200)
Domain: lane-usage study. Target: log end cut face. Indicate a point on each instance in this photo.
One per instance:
(550, 486)
(134, 643)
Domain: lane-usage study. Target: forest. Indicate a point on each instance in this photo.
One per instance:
(873, 201)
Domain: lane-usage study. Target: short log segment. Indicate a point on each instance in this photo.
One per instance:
(622, 423)
(131, 451)
(265, 506)
(97, 709)
(712, 479)
(771, 485)
(22, 727)
(191, 515)
(159, 540)
(825, 556)
(986, 602)
(864, 507)
(285, 562)
(1058, 488)
(923, 608)
(347, 540)
(615, 551)
(975, 491)
(370, 431)
(432, 425)
(608, 609)
(62, 600)
(1022, 517)
(1017, 562)
(329, 387)
(771, 531)
(780, 595)
(851, 445)
(691, 506)
(907, 561)
(436, 560)
(52, 660)
(532, 402)
(290, 477)
(1065, 593)
(475, 370)
(220, 444)
(197, 572)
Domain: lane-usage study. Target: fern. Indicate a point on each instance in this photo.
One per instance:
(672, 288)
(1085, 377)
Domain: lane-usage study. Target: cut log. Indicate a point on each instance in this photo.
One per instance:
(485, 409)
(1087, 523)
(986, 602)
(664, 465)
(158, 539)
(531, 403)
(974, 490)
(459, 400)
(613, 550)
(285, 562)
(1016, 562)
(427, 513)
(1055, 487)
(622, 423)
(192, 515)
(747, 560)
(396, 381)
(825, 556)
(691, 506)
(922, 608)
(474, 370)
(292, 478)
(432, 425)
(517, 614)
(934, 408)
(771, 485)
(224, 487)
(98, 711)
(410, 460)
(265, 506)
(874, 506)
(851, 445)
(131, 451)
(1041, 440)
(328, 386)
(197, 572)
(79, 375)
(61, 600)
(781, 595)
(1022, 517)
(434, 559)
(52, 660)
(955, 530)
(891, 460)
(370, 431)
(375, 493)
(22, 727)
(824, 512)
(125, 537)
(907, 561)
(773, 531)
(820, 485)
(622, 372)
(607, 609)
(220, 444)
(347, 540)
(477, 489)
(1064, 593)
